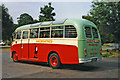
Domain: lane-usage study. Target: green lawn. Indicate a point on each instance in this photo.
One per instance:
(111, 52)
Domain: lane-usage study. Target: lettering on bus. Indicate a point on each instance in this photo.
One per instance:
(97, 41)
(93, 44)
(93, 53)
(94, 49)
(89, 40)
(44, 41)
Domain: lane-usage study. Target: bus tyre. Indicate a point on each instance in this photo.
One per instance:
(54, 61)
(15, 57)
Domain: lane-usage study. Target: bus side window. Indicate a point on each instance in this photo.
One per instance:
(70, 32)
(88, 32)
(14, 35)
(95, 33)
(18, 35)
(25, 34)
(45, 32)
(34, 33)
(57, 32)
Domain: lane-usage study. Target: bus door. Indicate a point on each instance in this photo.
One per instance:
(96, 42)
(92, 41)
(33, 47)
(18, 41)
(24, 44)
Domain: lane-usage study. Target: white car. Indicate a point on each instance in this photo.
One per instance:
(2, 43)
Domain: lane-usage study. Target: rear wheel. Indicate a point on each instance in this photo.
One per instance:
(15, 57)
(54, 61)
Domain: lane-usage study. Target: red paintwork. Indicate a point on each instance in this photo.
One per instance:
(17, 49)
(68, 54)
(24, 51)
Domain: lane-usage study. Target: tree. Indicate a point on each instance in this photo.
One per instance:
(7, 24)
(35, 21)
(106, 16)
(46, 13)
(24, 19)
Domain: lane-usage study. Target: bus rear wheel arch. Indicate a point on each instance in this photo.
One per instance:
(54, 60)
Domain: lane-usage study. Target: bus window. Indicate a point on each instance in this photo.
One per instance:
(70, 32)
(88, 32)
(95, 34)
(45, 32)
(57, 32)
(18, 35)
(14, 35)
(57, 27)
(34, 33)
(25, 34)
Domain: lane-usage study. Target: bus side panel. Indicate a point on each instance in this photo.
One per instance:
(17, 49)
(68, 54)
(31, 50)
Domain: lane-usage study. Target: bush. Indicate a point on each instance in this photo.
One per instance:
(107, 55)
(113, 50)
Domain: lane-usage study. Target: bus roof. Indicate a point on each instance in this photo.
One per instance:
(76, 22)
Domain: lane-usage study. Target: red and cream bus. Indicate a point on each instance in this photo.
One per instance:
(69, 41)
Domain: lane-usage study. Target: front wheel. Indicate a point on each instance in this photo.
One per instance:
(54, 61)
(15, 57)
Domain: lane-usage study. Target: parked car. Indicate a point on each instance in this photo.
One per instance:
(2, 43)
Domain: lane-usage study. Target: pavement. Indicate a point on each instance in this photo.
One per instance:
(107, 68)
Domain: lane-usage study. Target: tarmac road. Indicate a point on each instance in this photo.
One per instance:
(107, 68)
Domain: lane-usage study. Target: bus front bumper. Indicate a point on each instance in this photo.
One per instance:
(93, 59)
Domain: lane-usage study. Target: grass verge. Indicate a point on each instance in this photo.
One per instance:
(111, 53)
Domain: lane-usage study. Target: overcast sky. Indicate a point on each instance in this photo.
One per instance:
(62, 9)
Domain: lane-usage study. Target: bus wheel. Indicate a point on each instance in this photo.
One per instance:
(15, 57)
(54, 61)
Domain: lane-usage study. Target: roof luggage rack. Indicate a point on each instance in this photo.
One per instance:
(48, 23)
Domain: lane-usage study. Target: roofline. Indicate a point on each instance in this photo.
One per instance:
(72, 21)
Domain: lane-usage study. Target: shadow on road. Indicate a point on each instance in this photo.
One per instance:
(95, 66)
(80, 67)
(34, 63)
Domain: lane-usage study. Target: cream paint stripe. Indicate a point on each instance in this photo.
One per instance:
(16, 42)
(70, 41)
(73, 42)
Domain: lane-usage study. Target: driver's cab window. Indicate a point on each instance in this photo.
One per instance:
(14, 35)
(18, 35)
(25, 34)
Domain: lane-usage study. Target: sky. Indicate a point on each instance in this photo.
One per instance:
(62, 9)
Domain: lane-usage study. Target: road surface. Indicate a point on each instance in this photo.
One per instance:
(107, 68)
